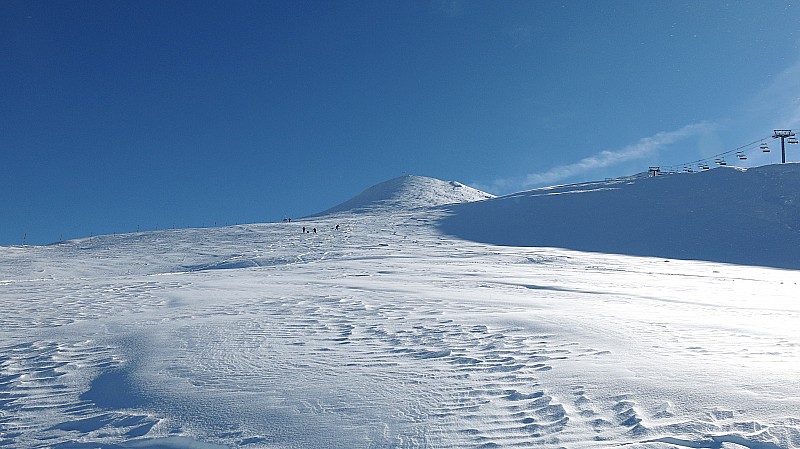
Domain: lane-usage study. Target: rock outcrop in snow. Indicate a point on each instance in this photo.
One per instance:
(410, 192)
(749, 217)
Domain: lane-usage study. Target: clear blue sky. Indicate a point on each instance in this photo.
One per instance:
(117, 116)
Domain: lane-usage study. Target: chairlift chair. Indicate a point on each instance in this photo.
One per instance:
(764, 147)
(792, 140)
(741, 155)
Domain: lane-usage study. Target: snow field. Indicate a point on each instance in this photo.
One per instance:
(387, 333)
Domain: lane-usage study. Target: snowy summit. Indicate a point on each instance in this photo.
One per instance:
(410, 192)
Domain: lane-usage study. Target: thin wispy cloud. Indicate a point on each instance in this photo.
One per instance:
(785, 91)
(779, 102)
(645, 147)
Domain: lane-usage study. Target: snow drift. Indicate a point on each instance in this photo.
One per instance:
(729, 215)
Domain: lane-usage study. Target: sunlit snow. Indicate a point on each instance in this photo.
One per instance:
(395, 331)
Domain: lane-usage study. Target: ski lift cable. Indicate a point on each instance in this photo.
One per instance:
(742, 148)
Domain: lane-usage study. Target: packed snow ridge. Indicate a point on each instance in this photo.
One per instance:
(410, 192)
(749, 217)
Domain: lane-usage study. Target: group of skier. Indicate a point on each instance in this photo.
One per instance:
(314, 230)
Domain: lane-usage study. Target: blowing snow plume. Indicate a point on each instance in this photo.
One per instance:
(730, 215)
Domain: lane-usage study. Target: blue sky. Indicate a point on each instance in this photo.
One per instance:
(118, 116)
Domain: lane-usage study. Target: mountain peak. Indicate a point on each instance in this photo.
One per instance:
(410, 192)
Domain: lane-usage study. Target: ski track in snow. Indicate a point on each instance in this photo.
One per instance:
(386, 334)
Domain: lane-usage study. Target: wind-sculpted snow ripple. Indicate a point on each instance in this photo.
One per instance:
(42, 383)
(54, 355)
(67, 302)
(374, 363)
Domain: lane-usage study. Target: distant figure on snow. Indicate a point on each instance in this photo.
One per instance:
(315, 230)
(337, 227)
(304, 229)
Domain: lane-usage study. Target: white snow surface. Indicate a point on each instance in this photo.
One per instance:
(391, 333)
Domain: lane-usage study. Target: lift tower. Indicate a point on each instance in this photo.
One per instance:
(783, 134)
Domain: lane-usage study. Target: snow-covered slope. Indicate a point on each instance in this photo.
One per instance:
(409, 192)
(748, 217)
(387, 333)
